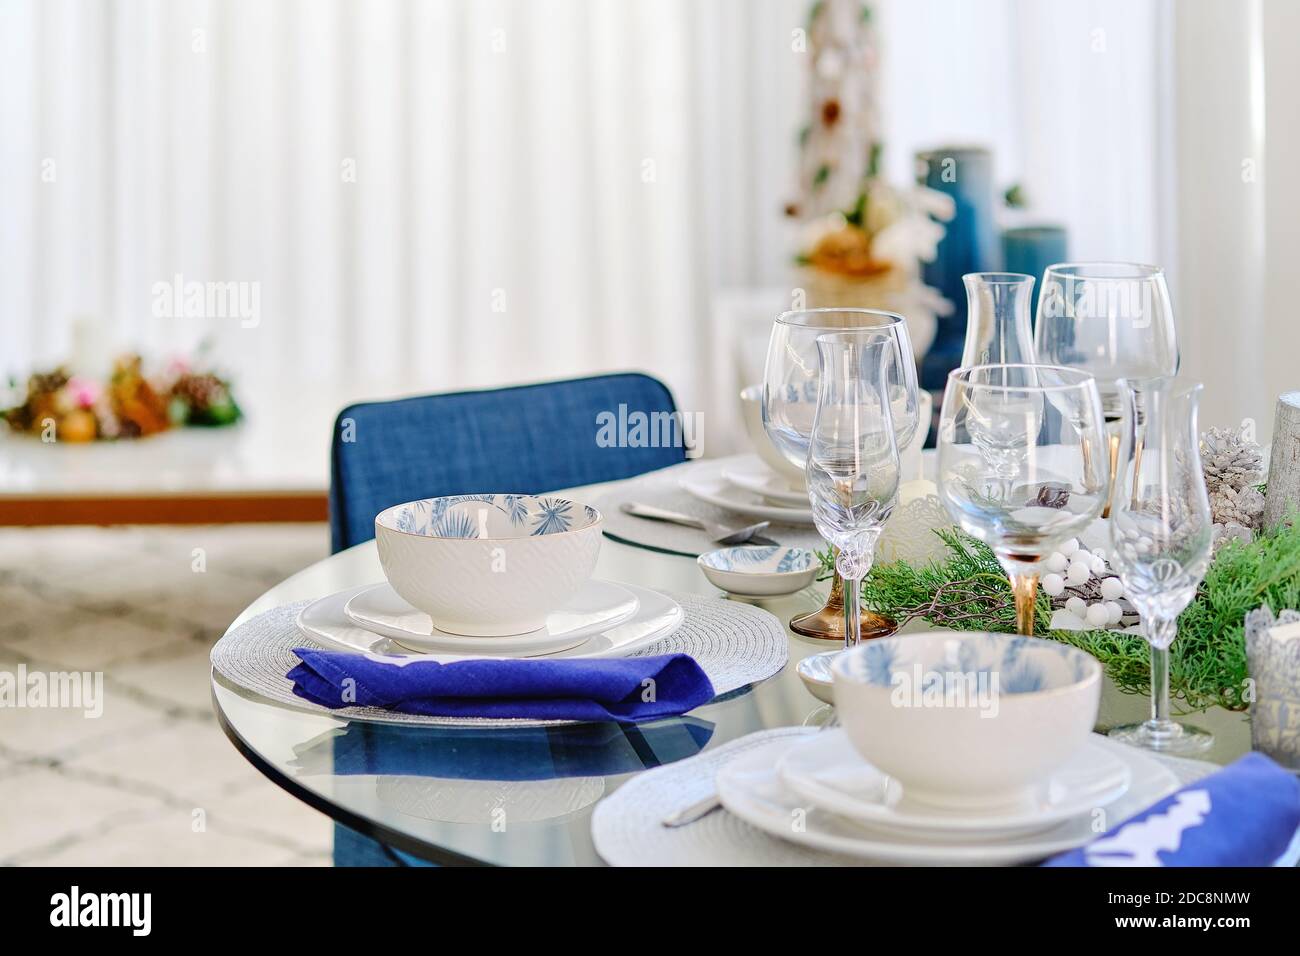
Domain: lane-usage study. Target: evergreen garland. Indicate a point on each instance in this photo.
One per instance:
(969, 591)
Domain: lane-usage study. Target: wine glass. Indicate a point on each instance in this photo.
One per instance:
(997, 319)
(1112, 319)
(790, 387)
(1161, 534)
(1015, 469)
(853, 466)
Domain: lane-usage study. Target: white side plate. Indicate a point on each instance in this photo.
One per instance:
(656, 617)
(598, 606)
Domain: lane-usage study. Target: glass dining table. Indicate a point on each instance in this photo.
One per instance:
(482, 796)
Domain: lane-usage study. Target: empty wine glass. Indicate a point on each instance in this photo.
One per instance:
(1161, 534)
(1015, 470)
(853, 467)
(790, 389)
(1112, 319)
(998, 330)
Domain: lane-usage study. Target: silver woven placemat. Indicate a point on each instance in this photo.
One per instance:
(735, 644)
(663, 490)
(627, 826)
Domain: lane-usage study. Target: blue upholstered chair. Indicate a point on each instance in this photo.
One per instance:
(529, 439)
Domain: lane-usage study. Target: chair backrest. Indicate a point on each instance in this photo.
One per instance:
(526, 440)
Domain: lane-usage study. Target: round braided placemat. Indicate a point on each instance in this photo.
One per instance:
(736, 645)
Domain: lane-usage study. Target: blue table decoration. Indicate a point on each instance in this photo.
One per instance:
(969, 244)
(1030, 250)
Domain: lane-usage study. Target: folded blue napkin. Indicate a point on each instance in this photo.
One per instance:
(1246, 814)
(623, 689)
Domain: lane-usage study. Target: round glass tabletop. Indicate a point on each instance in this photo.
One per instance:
(524, 796)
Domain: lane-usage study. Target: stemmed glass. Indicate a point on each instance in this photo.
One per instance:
(1015, 469)
(853, 466)
(1113, 319)
(1161, 532)
(790, 389)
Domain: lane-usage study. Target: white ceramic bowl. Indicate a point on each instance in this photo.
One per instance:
(487, 565)
(759, 570)
(751, 401)
(966, 719)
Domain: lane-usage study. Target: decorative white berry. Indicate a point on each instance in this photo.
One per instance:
(1070, 547)
(1116, 612)
(1112, 589)
(1077, 606)
(1098, 616)
(1099, 552)
(1078, 574)
(1053, 584)
(1056, 562)
(1097, 566)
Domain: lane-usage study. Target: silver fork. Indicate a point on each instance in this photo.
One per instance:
(707, 804)
(720, 533)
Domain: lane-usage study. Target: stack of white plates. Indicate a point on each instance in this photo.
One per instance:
(748, 487)
(602, 619)
(817, 791)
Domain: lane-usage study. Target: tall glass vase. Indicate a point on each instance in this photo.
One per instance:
(998, 325)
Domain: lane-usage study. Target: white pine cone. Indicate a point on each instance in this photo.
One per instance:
(1230, 506)
(1231, 531)
(1228, 458)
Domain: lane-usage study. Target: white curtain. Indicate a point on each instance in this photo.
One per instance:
(455, 193)
(428, 195)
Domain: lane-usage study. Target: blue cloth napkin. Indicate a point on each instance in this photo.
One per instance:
(624, 689)
(1246, 814)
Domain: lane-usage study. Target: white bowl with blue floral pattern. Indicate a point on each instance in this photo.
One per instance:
(488, 565)
(760, 571)
(966, 719)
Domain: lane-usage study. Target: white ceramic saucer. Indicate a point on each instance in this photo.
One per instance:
(827, 770)
(756, 477)
(711, 487)
(750, 789)
(657, 616)
(598, 605)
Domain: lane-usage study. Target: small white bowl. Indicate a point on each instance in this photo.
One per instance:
(966, 719)
(488, 565)
(760, 570)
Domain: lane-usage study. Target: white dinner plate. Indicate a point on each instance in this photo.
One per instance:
(711, 487)
(656, 617)
(756, 477)
(827, 770)
(750, 788)
(598, 606)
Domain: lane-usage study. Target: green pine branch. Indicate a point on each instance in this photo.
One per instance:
(969, 591)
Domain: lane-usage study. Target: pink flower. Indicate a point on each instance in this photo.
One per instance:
(83, 391)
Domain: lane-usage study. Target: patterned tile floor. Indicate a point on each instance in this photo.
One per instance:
(144, 607)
